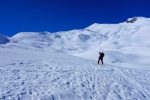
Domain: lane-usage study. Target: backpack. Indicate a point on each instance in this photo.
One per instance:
(102, 54)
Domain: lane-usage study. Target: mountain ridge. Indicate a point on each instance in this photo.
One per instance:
(125, 38)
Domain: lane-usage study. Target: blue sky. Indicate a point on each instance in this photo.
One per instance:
(63, 15)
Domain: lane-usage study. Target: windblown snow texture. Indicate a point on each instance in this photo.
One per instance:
(57, 76)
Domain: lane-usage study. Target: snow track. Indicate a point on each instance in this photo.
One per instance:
(59, 80)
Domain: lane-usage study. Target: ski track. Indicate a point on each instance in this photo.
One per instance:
(42, 80)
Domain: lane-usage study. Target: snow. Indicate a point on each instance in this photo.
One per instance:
(63, 65)
(3, 39)
(30, 75)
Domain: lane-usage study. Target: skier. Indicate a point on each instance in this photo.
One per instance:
(101, 55)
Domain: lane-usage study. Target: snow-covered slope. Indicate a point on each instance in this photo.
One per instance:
(130, 39)
(125, 34)
(40, 66)
(3, 39)
(37, 75)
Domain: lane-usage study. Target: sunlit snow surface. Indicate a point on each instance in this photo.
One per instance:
(28, 75)
(41, 66)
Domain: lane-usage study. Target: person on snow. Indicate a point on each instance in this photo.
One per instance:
(101, 55)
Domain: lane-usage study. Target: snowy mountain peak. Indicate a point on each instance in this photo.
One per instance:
(137, 20)
(3, 39)
(131, 20)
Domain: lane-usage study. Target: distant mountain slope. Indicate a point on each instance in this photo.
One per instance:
(3, 39)
(116, 35)
(127, 38)
(124, 34)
